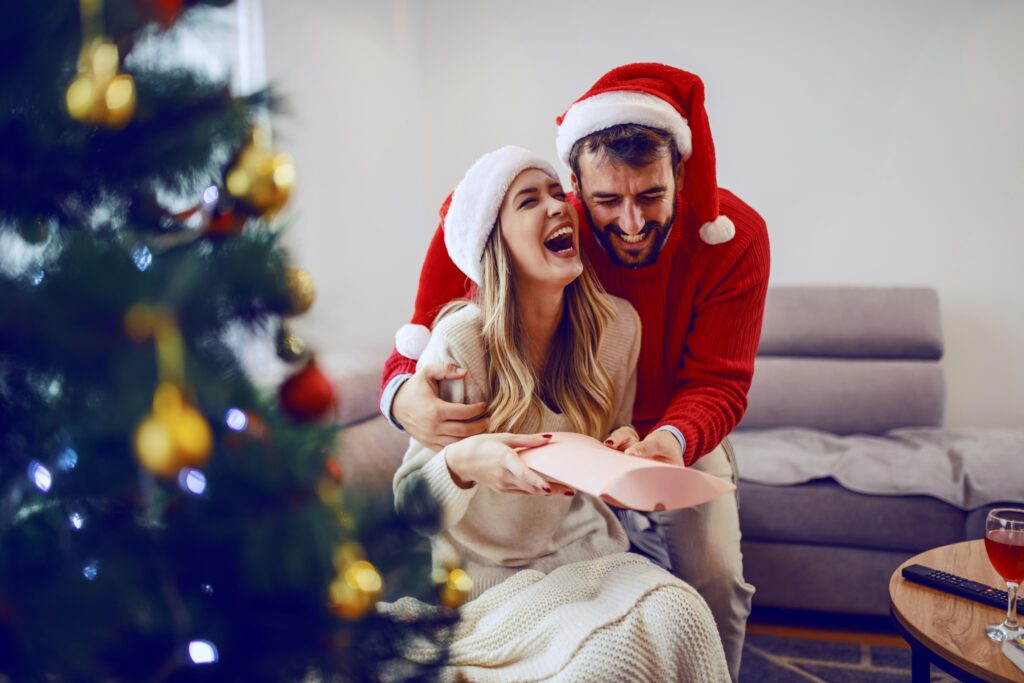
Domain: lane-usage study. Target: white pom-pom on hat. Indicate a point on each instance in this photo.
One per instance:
(717, 231)
(410, 340)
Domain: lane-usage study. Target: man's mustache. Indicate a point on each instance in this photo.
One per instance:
(648, 227)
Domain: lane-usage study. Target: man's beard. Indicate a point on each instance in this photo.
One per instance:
(621, 257)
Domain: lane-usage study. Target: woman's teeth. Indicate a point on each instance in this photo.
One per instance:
(560, 241)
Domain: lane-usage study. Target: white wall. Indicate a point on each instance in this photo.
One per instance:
(880, 140)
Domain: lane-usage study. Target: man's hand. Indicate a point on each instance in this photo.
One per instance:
(491, 460)
(622, 438)
(428, 419)
(658, 445)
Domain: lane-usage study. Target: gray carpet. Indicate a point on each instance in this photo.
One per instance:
(767, 659)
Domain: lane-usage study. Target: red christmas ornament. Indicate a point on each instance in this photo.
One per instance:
(225, 222)
(307, 394)
(164, 11)
(333, 468)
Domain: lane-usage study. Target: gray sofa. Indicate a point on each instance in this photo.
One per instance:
(839, 369)
(845, 467)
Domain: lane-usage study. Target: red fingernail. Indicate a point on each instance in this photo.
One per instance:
(608, 441)
(547, 489)
(569, 493)
(546, 436)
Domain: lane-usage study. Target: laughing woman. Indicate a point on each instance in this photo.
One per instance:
(555, 594)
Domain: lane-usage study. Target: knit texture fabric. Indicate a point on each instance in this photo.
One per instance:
(613, 618)
(700, 306)
(493, 535)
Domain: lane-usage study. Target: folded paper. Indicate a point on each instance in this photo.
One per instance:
(622, 480)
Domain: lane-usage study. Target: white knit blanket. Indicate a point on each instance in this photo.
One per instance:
(614, 618)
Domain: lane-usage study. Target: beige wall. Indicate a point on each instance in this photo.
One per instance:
(881, 141)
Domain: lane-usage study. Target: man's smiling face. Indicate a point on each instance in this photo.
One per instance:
(631, 209)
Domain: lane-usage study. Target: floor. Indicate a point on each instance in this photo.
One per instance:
(784, 645)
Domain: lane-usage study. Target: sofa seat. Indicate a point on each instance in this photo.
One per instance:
(823, 512)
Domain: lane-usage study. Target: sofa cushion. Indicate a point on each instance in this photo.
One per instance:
(356, 379)
(824, 513)
(369, 453)
(845, 396)
(852, 322)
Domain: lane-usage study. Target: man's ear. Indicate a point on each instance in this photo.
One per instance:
(575, 185)
(680, 175)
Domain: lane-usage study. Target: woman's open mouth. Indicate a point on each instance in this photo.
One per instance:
(560, 243)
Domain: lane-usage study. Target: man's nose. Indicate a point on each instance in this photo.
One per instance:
(632, 220)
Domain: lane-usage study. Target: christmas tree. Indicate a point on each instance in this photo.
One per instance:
(161, 517)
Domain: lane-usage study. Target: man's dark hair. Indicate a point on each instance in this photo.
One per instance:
(627, 143)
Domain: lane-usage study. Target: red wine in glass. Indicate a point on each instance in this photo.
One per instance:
(1006, 552)
(1004, 541)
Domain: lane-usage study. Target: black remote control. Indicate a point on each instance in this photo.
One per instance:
(958, 585)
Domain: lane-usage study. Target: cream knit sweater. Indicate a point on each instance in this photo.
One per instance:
(493, 535)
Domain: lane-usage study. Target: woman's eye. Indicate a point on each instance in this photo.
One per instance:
(559, 195)
(527, 202)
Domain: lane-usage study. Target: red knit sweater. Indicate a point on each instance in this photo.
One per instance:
(700, 307)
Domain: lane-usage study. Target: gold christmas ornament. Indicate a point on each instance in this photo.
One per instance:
(356, 589)
(140, 322)
(261, 179)
(174, 435)
(100, 95)
(453, 586)
(290, 346)
(301, 289)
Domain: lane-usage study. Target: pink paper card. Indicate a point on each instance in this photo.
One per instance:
(623, 480)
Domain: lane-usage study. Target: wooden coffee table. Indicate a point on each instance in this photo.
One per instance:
(947, 630)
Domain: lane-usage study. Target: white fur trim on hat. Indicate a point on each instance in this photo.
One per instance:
(717, 231)
(608, 109)
(410, 340)
(477, 199)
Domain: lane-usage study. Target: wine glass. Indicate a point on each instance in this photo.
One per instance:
(1004, 541)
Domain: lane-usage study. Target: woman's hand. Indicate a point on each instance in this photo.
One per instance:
(492, 461)
(622, 438)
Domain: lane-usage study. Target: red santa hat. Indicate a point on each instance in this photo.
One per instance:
(657, 96)
(468, 219)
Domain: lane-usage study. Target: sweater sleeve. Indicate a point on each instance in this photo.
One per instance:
(440, 282)
(718, 361)
(424, 472)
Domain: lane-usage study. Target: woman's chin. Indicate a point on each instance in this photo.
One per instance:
(569, 271)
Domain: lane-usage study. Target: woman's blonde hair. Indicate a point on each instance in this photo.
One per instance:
(573, 381)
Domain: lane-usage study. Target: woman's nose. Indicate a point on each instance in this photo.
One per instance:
(555, 207)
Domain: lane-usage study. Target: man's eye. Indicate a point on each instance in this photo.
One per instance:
(651, 199)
